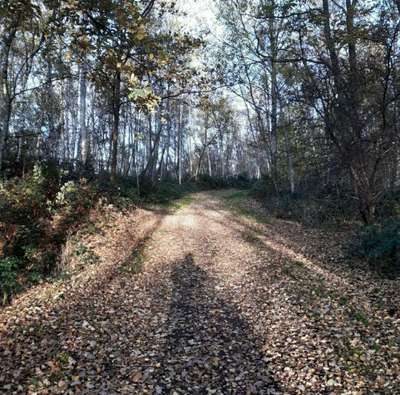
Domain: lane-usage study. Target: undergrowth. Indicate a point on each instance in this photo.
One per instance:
(239, 202)
(375, 247)
(379, 246)
(42, 210)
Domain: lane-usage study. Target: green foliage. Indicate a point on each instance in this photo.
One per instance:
(144, 99)
(379, 244)
(23, 219)
(308, 211)
(74, 198)
(259, 189)
(8, 278)
(238, 202)
(36, 215)
(239, 195)
(134, 263)
(360, 317)
(311, 208)
(34, 277)
(241, 181)
(85, 255)
(67, 195)
(167, 192)
(122, 192)
(389, 205)
(22, 198)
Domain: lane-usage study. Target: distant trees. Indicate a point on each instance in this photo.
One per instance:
(117, 86)
(23, 30)
(357, 105)
(97, 85)
(321, 83)
(104, 86)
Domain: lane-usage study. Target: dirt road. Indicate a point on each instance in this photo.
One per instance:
(221, 305)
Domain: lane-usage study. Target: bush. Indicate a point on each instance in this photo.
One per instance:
(36, 216)
(85, 255)
(311, 210)
(122, 194)
(241, 181)
(23, 216)
(25, 198)
(74, 197)
(389, 206)
(8, 278)
(167, 191)
(379, 244)
(263, 187)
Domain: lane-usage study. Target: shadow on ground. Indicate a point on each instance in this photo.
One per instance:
(209, 346)
(80, 335)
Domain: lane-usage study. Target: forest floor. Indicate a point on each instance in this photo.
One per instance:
(214, 297)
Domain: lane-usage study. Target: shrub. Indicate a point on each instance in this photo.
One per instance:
(379, 244)
(23, 215)
(36, 216)
(8, 278)
(23, 199)
(85, 255)
(389, 206)
(166, 191)
(321, 209)
(259, 189)
(74, 197)
(240, 181)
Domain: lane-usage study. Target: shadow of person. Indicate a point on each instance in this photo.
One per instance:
(210, 348)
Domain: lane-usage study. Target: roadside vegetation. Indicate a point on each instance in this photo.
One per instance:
(41, 212)
(46, 208)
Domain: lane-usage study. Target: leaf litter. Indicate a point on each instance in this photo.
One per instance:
(222, 304)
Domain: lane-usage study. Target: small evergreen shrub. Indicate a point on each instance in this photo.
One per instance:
(37, 213)
(74, 197)
(85, 255)
(389, 206)
(9, 267)
(241, 181)
(23, 198)
(379, 244)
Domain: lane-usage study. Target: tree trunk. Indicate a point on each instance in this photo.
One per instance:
(398, 5)
(5, 95)
(115, 129)
(5, 117)
(272, 33)
(148, 171)
(209, 162)
(291, 174)
(180, 145)
(82, 113)
(199, 164)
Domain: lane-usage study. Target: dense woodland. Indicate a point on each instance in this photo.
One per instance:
(120, 87)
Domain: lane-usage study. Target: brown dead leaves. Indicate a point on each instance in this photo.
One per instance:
(222, 304)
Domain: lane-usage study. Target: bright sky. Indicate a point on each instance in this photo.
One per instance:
(201, 15)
